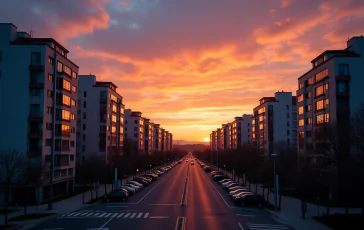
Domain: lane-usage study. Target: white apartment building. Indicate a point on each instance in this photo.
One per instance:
(240, 131)
(329, 93)
(275, 121)
(100, 120)
(38, 99)
(149, 136)
(213, 141)
(157, 137)
(134, 128)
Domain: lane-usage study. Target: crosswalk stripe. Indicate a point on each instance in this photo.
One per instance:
(90, 214)
(139, 215)
(146, 215)
(108, 215)
(83, 214)
(72, 213)
(120, 215)
(127, 215)
(134, 214)
(113, 216)
(102, 214)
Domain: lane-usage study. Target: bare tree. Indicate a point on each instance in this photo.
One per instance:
(12, 166)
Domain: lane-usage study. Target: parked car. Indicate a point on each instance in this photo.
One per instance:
(250, 199)
(130, 190)
(118, 195)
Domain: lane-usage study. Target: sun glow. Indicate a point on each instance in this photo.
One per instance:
(207, 139)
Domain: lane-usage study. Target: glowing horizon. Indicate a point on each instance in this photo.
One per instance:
(192, 65)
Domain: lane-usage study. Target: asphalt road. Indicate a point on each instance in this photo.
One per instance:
(158, 206)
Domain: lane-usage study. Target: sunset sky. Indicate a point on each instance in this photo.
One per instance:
(192, 65)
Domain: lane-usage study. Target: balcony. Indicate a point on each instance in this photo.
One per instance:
(35, 134)
(102, 133)
(62, 149)
(103, 99)
(63, 134)
(343, 77)
(103, 110)
(36, 85)
(64, 74)
(342, 94)
(36, 116)
(36, 67)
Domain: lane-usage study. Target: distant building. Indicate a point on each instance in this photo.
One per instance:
(134, 129)
(240, 131)
(275, 121)
(100, 129)
(38, 104)
(157, 137)
(330, 92)
(227, 136)
(149, 136)
(213, 141)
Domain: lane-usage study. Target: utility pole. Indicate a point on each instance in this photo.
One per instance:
(51, 166)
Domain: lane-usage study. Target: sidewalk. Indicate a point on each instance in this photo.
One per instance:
(63, 206)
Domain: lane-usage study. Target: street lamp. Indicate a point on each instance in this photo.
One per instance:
(274, 156)
(150, 166)
(137, 172)
(225, 170)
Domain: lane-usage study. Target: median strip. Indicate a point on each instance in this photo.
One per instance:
(184, 194)
(181, 223)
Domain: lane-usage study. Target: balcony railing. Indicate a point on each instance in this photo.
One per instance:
(343, 77)
(36, 67)
(36, 116)
(35, 134)
(36, 85)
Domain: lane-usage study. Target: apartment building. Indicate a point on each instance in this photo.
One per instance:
(227, 131)
(167, 141)
(221, 137)
(275, 121)
(100, 120)
(134, 129)
(218, 139)
(213, 141)
(157, 137)
(240, 131)
(38, 92)
(329, 93)
(164, 137)
(149, 136)
(170, 142)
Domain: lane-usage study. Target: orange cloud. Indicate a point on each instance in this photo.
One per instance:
(286, 3)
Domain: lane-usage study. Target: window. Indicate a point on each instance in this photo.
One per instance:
(73, 130)
(321, 104)
(63, 129)
(50, 60)
(103, 95)
(262, 110)
(300, 110)
(63, 99)
(36, 58)
(59, 67)
(310, 81)
(309, 120)
(322, 118)
(300, 98)
(73, 103)
(70, 172)
(49, 110)
(34, 92)
(67, 70)
(48, 126)
(321, 75)
(308, 94)
(308, 108)
(113, 129)
(74, 75)
(84, 126)
(114, 109)
(301, 122)
(321, 89)
(113, 97)
(50, 77)
(49, 94)
(300, 85)
(84, 94)
(261, 126)
(113, 118)
(74, 89)
(48, 142)
(342, 87)
(84, 104)
(343, 69)
(63, 84)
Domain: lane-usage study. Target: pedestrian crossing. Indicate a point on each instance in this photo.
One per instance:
(117, 215)
(267, 226)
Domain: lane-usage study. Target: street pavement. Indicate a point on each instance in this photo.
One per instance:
(158, 206)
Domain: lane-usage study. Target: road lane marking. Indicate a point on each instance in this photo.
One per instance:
(74, 213)
(133, 215)
(148, 193)
(108, 215)
(102, 214)
(241, 227)
(113, 216)
(120, 215)
(105, 223)
(181, 223)
(220, 194)
(159, 217)
(146, 215)
(127, 215)
(139, 215)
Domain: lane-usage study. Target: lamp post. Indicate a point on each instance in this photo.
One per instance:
(150, 168)
(225, 170)
(274, 155)
(137, 172)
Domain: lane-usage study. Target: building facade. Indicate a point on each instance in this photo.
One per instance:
(39, 117)
(100, 121)
(213, 141)
(227, 140)
(149, 136)
(134, 129)
(157, 137)
(330, 93)
(170, 142)
(275, 121)
(240, 131)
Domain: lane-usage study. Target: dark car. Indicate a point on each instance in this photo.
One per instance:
(129, 189)
(207, 169)
(231, 193)
(151, 176)
(118, 195)
(142, 181)
(224, 181)
(233, 188)
(250, 199)
(220, 177)
(227, 186)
